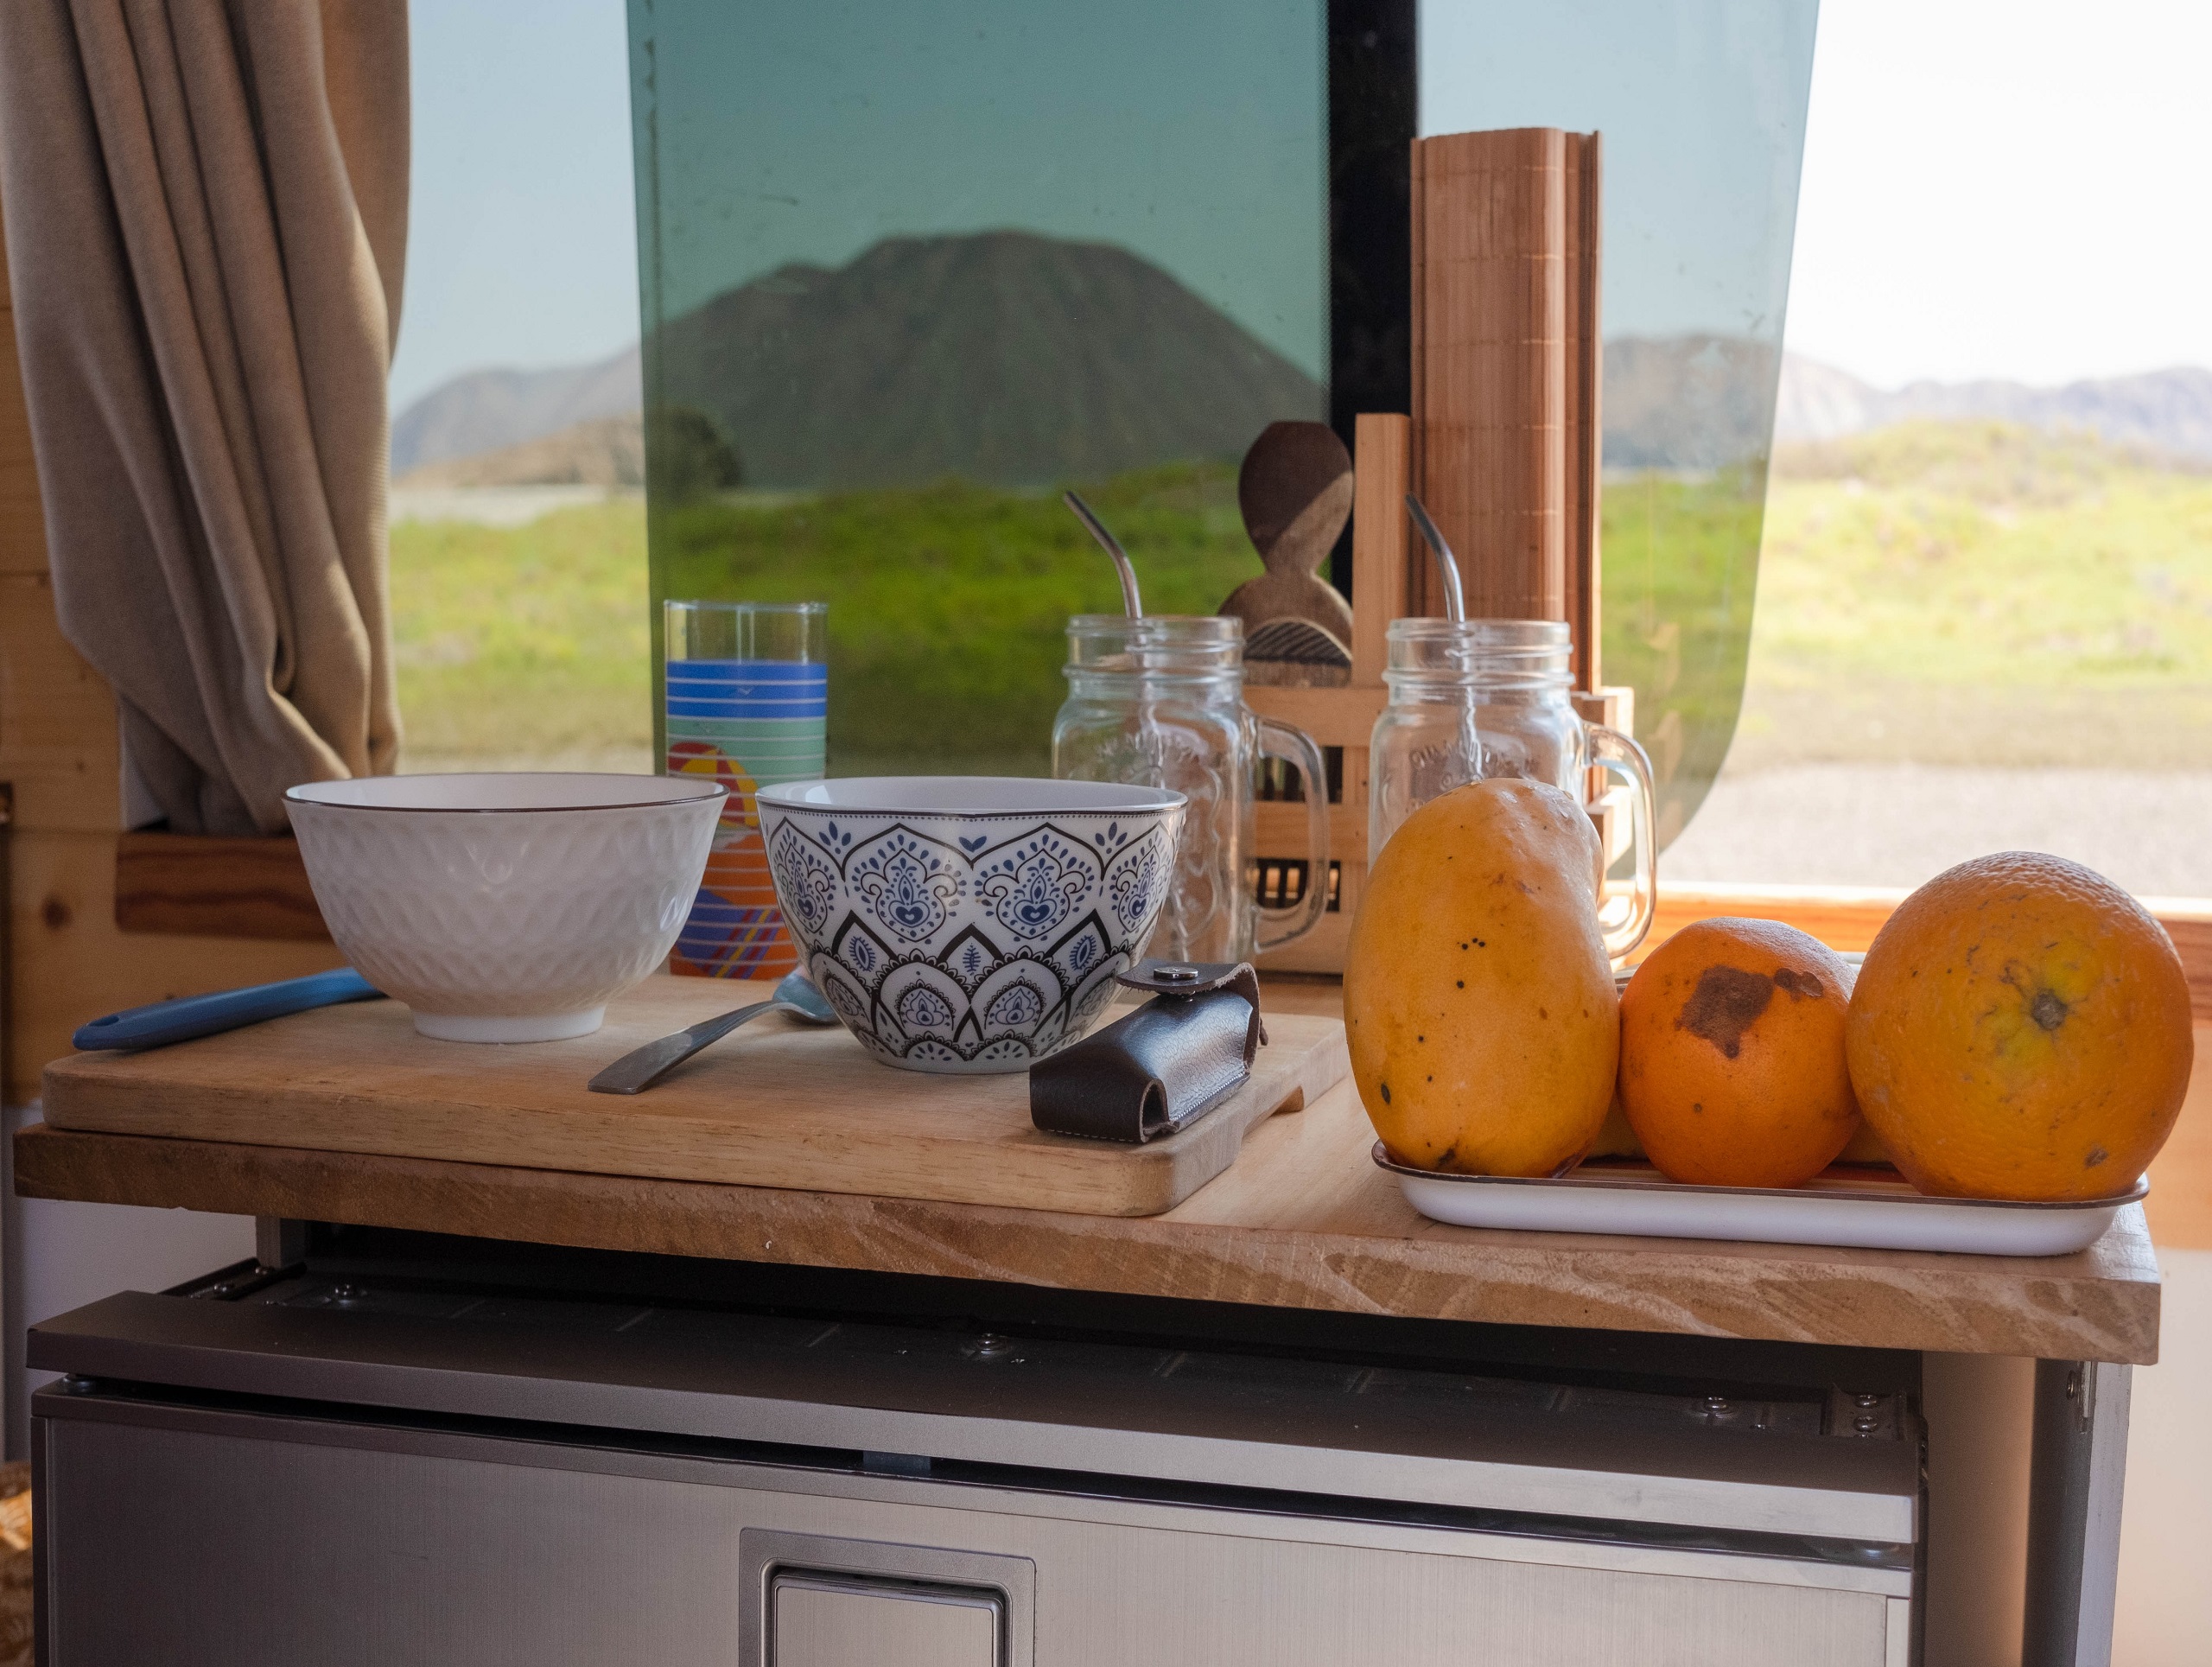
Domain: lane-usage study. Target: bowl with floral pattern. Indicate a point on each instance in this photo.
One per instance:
(968, 924)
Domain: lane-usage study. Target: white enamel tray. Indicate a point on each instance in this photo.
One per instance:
(1877, 1209)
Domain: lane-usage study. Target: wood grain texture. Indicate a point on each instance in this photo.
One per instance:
(1584, 426)
(1304, 1220)
(2180, 1205)
(1491, 322)
(23, 531)
(183, 883)
(1845, 918)
(67, 960)
(779, 1104)
(1334, 717)
(2188, 921)
(1382, 541)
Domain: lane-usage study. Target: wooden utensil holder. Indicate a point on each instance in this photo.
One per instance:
(1503, 444)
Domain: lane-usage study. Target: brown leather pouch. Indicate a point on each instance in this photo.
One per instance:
(1160, 1068)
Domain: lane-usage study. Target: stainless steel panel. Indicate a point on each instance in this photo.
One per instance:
(1310, 1427)
(766, 1556)
(818, 1622)
(186, 1547)
(2080, 1464)
(1625, 1549)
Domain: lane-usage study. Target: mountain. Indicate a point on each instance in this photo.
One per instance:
(2168, 411)
(606, 451)
(1002, 356)
(484, 410)
(1686, 401)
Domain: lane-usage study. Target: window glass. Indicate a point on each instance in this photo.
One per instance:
(518, 529)
(908, 268)
(1985, 607)
(1701, 105)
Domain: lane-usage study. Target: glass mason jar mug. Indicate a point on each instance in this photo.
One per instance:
(1159, 703)
(1492, 698)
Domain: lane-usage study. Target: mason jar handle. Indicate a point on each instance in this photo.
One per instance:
(1295, 747)
(1611, 751)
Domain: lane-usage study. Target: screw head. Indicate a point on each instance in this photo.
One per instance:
(1176, 975)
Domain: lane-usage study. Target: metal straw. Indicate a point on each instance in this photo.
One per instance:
(1455, 610)
(1132, 604)
(1447, 565)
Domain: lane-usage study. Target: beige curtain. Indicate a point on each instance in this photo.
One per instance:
(206, 223)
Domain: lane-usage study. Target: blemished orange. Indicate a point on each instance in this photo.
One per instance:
(2021, 1030)
(1478, 1003)
(1732, 1069)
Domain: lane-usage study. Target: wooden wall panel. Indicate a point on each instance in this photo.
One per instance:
(22, 535)
(198, 886)
(57, 718)
(65, 959)
(70, 961)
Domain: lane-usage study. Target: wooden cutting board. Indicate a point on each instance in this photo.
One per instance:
(775, 1104)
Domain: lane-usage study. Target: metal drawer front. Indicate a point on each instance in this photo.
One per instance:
(268, 1542)
(816, 1621)
(813, 1601)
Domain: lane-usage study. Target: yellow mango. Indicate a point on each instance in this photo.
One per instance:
(1478, 1002)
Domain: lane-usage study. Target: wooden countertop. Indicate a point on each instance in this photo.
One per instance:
(1303, 1219)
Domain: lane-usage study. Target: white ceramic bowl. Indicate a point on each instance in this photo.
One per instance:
(968, 923)
(506, 907)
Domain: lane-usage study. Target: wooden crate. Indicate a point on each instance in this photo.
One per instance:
(1384, 551)
(1503, 443)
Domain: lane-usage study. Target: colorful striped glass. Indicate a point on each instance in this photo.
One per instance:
(747, 702)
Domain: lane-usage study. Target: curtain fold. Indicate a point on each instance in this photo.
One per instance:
(206, 208)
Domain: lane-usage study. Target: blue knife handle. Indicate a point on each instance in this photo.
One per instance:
(160, 1023)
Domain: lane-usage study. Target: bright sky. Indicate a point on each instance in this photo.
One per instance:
(2018, 188)
(1992, 188)
(522, 245)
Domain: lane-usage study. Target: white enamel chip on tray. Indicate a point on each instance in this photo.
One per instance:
(1875, 1211)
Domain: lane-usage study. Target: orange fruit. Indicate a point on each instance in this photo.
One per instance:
(2021, 1030)
(1732, 1070)
(1478, 1002)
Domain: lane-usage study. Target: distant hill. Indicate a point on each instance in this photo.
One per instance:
(1686, 401)
(1700, 402)
(607, 451)
(1003, 358)
(1012, 359)
(2168, 411)
(484, 410)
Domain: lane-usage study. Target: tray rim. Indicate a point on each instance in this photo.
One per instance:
(1663, 1187)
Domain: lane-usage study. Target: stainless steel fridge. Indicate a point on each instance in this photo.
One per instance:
(383, 1460)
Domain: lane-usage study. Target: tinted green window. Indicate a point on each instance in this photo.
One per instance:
(908, 268)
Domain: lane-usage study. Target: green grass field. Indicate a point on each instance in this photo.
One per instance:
(525, 644)
(1943, 592)
(948, 605)
(1978, 592)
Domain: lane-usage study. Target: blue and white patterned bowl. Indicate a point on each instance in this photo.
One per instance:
(968, 923)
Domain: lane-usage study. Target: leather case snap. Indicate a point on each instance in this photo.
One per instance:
(1160, 1068)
